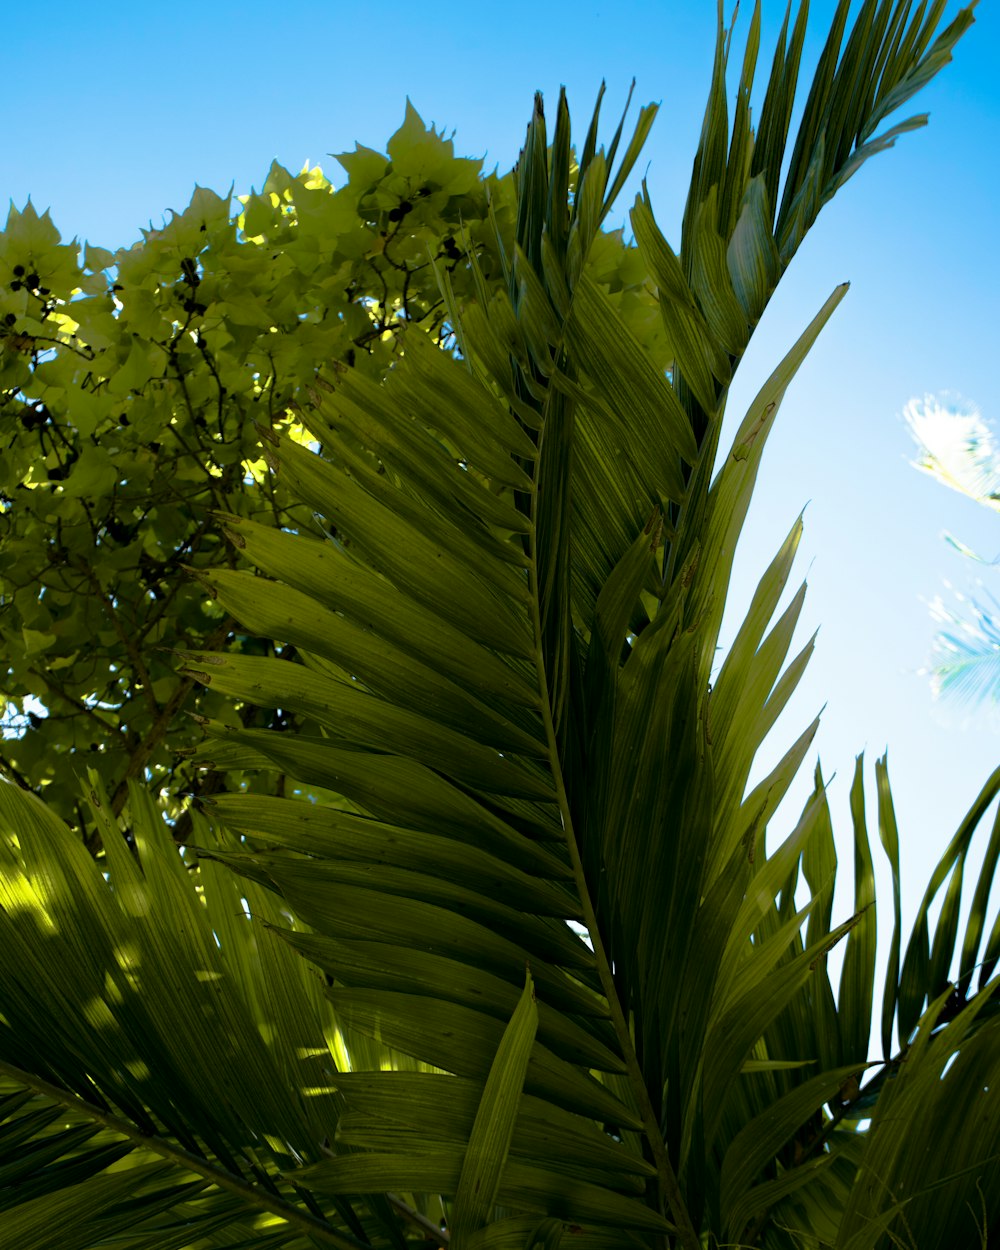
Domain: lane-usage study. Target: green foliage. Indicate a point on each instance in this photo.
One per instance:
(485, 941)
(133, 389)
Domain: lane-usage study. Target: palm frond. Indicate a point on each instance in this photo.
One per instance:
(507, 650)
(514, 757)
(929, 967)
(137, 998)
(956, 447)
(931, 1168)
(73, 1173)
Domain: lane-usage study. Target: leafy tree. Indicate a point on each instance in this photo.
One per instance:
(133, 388)
(510, 959)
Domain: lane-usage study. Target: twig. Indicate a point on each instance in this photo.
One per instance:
(74, 703)
(127, 641)
(141, 756)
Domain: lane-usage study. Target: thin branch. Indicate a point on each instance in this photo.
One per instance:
(14, 773)
(77, 704)
(186, 549)
(127, 641)
(140, 758)
(206, 356)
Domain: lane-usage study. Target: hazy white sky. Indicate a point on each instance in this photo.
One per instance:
(117, 110)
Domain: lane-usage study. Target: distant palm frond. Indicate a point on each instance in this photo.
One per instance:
(957, 447)
(967, 648)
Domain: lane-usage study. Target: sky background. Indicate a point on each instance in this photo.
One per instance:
(114, 111)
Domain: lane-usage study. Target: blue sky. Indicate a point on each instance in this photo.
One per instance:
(116, 110)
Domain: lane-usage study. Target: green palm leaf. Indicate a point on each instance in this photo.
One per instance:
(506, 652)
(515, 752)
(931, 1170)
(163, 1025)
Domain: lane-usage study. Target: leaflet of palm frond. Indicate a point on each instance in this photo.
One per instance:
(967, 551)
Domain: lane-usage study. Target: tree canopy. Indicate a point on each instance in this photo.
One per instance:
(477, 933)
(135, 386)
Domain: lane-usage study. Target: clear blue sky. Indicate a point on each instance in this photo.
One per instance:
(115, 110)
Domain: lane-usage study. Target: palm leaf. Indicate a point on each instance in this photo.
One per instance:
(929, 967)
(513, 755)
(507, 648)
(68, 1175)
(931, 1170)
(151, 1025)
(896, 1193)
(826, 1165)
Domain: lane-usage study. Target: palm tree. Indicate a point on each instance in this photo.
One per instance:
(515, 963)
(956, 448)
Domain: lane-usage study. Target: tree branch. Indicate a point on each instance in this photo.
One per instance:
(50, 684)
(15, 774)
(140, 757)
